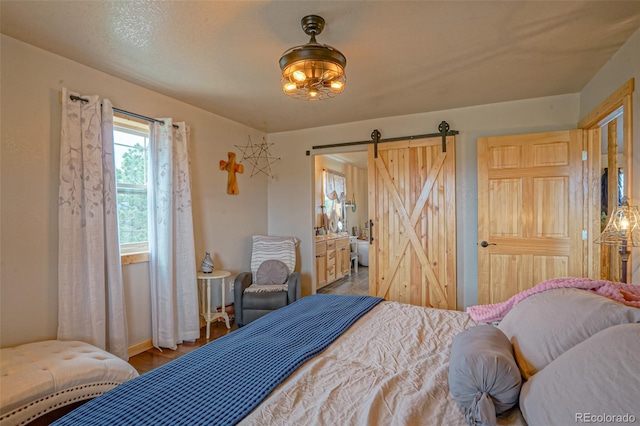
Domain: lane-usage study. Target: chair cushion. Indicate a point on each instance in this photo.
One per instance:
(265, 288)
(265, 300)
(272, 272)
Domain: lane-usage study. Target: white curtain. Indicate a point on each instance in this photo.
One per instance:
(90, 288)
(172, 265)
(335, 185)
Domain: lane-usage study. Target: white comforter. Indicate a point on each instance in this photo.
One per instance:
(390, 368)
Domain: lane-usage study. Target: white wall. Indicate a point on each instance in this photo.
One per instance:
(30, 116)
(291, 200)
(31, 80)
(624, 64)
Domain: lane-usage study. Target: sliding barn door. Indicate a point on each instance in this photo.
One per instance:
(530, 211)
(412, 258)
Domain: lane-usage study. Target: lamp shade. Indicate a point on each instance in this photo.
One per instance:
(313, 71)
(623, 227)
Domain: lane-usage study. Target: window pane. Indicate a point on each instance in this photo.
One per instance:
(127, 138)
(131, 160)
(131, 164)
(132, 215)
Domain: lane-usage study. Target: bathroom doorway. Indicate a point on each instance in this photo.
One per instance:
(350, 209)
(341, 211)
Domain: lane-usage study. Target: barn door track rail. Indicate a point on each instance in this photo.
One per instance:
(443, 131)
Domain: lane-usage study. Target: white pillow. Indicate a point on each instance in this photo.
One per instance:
(597, 378)
(545, 325)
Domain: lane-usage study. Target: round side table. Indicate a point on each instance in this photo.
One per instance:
(205, 300)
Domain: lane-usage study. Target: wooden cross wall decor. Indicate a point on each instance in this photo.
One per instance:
(232, 168)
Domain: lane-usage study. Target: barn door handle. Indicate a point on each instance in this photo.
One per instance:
(486, 244)
(370, 231)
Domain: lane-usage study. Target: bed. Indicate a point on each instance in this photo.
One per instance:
(379, 363)
(390, 368)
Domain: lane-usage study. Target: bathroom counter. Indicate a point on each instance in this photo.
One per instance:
(331, 236)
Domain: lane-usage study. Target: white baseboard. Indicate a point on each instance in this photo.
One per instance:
(138, 348)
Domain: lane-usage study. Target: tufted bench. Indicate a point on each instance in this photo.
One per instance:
(39, 377)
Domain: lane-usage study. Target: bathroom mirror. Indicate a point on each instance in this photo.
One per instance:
(335, 194)
(612, 185)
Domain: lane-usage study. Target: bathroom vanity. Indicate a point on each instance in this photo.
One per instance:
(333, 260)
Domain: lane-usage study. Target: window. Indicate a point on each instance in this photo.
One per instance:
(131, 143)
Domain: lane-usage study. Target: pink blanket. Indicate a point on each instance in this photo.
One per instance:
(624, 293)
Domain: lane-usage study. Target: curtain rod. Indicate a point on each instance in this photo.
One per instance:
(121, 111)
(334, 172)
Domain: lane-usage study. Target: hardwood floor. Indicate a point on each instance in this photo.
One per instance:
(153, 358)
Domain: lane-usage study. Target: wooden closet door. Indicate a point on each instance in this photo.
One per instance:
(530, 211)
(412, 258)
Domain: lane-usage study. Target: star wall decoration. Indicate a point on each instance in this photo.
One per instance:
(258, 156)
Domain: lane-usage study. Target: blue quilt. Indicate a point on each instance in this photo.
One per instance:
(223, 381)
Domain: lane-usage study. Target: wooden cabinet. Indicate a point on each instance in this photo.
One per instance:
(343, 258)
(339, 256)
(321, 264)
(332, 260)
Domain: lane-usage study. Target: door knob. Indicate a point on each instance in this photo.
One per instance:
(486, 244)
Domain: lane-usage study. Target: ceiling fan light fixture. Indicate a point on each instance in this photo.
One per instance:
(313, 71)
(289, 87)
(299, 75)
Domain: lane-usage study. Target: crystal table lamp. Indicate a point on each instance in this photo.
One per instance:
(623, 230)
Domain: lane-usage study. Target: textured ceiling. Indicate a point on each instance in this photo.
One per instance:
(402, 57)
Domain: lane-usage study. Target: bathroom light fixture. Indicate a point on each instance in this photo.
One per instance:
(622, 230)
(351, 203)
(313, 71)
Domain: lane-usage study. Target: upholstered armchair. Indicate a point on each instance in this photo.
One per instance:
(271, 284)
